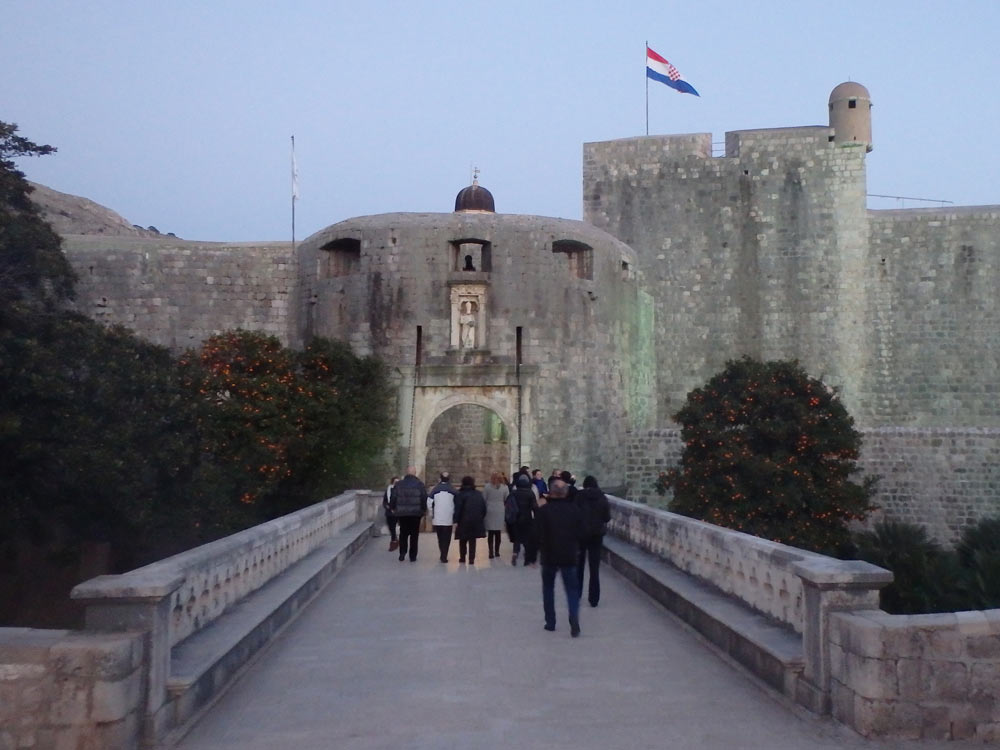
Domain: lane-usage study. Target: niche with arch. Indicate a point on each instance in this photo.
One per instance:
(471, 255)
(340, 257)
(579, 257)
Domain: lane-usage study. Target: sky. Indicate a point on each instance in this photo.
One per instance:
(180, 114)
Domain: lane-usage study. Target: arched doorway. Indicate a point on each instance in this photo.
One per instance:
(467, 439)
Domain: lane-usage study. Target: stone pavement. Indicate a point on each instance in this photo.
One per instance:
(426, 655)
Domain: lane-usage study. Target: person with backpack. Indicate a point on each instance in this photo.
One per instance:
(522, 508)
(596, 512)
(495, 492)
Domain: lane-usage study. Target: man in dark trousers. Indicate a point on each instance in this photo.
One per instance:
(441, 501)
(524, 527)
(596, 511)
(560, 531)
(408, 502)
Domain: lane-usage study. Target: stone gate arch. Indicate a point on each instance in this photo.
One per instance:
(430, 403)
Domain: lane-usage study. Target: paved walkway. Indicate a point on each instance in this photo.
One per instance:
(425, 655)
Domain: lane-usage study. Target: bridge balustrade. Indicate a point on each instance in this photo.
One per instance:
(162, 640)
(177, 598)
(794, 587)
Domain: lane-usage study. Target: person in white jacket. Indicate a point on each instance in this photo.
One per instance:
(441, 504)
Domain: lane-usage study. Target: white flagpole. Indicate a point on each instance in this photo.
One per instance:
(295, 190)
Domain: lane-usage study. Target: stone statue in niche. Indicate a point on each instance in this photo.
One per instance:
(467, 324)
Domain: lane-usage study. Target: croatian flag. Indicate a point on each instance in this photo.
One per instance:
(660, 70)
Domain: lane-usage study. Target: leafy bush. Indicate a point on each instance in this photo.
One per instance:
(769, 451)
(107, 440)
(285, 428)
(979, 555)
(94, 431)
(927, 578)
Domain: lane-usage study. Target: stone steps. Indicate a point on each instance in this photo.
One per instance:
(203, 665)
(770, 651)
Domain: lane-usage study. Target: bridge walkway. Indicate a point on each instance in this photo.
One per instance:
(447, 656)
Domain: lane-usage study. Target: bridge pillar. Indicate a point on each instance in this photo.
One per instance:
(111, 605)
(830, 585)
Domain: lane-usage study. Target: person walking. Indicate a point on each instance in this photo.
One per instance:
(540, 485)
(495, 492)
(441, 503)
(470, 516)
(570, 481)
(560, 529)
(596, 512)
(408, 502)
(524, 526)
(390, 519)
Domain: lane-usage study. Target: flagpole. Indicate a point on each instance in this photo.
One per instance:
(295, 188)
(645, 54)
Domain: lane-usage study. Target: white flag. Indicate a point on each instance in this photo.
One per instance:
(295, 174)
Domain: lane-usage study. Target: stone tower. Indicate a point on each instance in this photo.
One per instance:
(850, 114)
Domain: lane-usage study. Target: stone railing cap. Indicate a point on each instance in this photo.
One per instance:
(133, 587)
(832, 573)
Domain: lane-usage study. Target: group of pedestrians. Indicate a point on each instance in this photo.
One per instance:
(564, 524)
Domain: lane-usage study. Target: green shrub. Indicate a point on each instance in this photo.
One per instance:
(927, 578)
(283, 428)
(769, 451)
(979, 555)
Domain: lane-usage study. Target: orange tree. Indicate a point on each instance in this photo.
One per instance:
(280, 428)
(770, 451)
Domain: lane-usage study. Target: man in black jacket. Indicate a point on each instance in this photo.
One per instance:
(524, 532)
(596, 512)
(408, 502)
(560, 529)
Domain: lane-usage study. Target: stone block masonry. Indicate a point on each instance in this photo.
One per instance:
(933, 318)
(945, 479)
(760, 252)
(917, 676)
(177, 293)
(63, 689)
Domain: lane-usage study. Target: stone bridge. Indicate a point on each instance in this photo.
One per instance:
(305, 632)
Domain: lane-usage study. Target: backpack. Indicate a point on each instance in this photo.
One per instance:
(510, 509)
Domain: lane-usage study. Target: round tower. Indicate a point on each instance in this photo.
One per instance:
(850, 114)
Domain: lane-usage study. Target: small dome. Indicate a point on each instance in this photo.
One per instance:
(474, 198)
(849, 90)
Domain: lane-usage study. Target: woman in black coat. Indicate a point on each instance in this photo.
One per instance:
(470, 515)
(596, 512)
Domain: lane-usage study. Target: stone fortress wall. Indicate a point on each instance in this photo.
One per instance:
(767, 251)
(178, 293)
(944, 478)
(376, 279)
(934, 316)
(759, 252)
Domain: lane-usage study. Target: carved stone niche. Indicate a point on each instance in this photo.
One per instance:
(468, 316)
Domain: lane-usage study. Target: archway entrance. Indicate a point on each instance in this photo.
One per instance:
(467, 439)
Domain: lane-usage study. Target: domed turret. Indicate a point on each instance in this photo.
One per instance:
(474, 198)
(850, 114)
